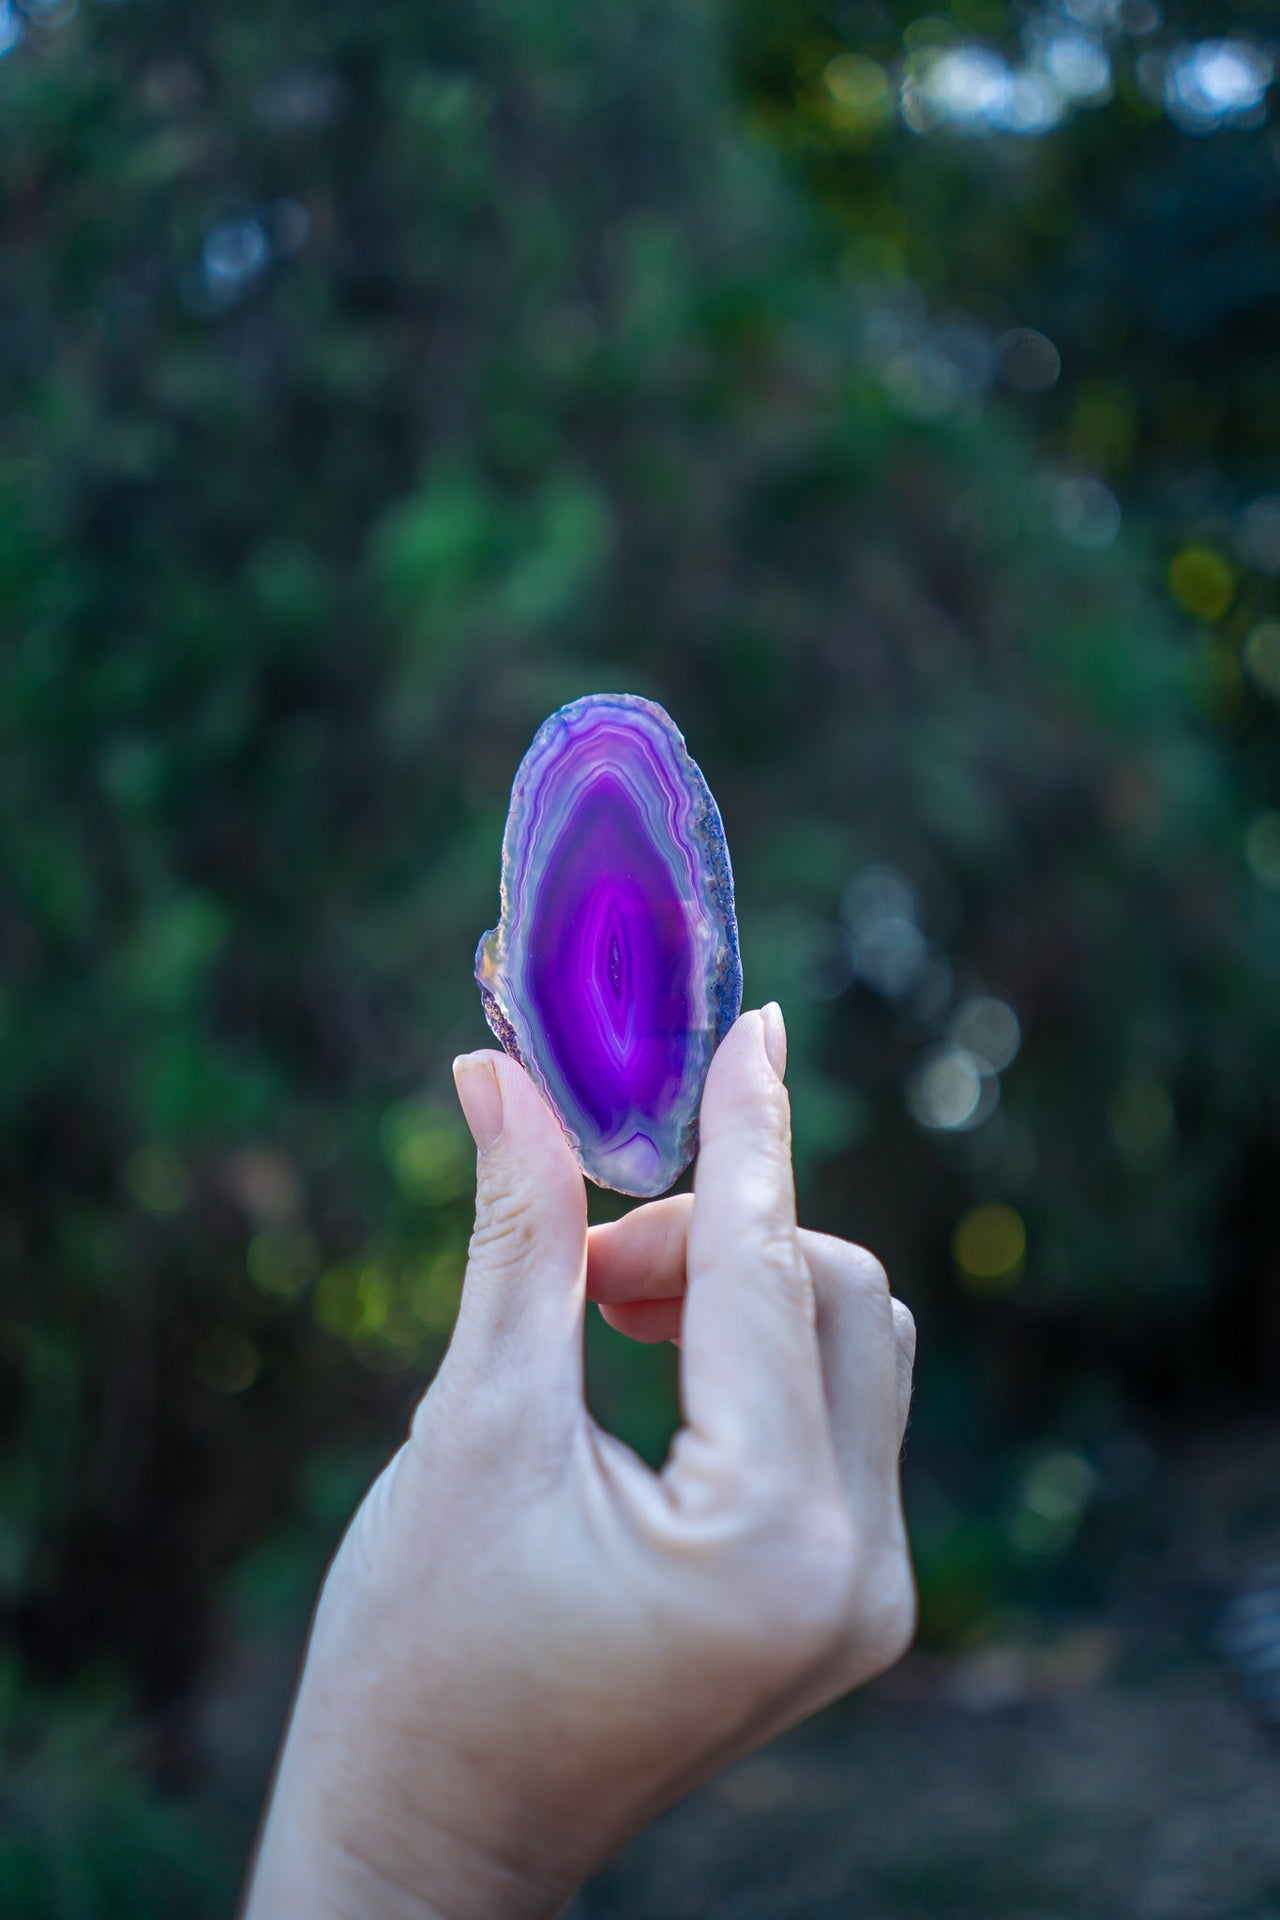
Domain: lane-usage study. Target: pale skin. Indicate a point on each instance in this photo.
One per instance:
(529, 1642)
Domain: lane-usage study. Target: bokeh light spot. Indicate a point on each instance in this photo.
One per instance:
(988, 1027)
(1029, 361)
(859, 91)
(1213, 82)
(336, 1302)
(889, 949)
(1055, 1492)
(1035, 103)
(235, 251)
(429, 1151)
(989, 1246)
(1079, 66)
(436, 1289)
(1059, 1485)
(967, 85)
(974, 90)
(1201, 582)
(877, 893)
(372, 1299)
(951, 1090)
(1084, 511)
(889, 955)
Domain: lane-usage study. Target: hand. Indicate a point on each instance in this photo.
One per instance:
(529, 1643)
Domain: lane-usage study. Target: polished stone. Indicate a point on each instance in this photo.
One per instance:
(613, 972)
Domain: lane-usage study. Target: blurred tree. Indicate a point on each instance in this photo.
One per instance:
(1104, 170)
(1070, 207)
(376, 379)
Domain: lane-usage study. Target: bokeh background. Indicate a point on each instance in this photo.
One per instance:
(892, 393)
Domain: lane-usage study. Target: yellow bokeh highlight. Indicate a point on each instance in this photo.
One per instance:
(990, 1247)
(353, 1302)
(1202, 582)
(430, 1152)
(392, 1305)
(435, 1290)
(858, 88)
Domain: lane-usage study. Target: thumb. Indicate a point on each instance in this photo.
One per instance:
(523, 1300)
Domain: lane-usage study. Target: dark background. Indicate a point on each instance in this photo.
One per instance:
(893, 395)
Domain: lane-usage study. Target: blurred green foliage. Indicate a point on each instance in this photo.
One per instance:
(373, 381)
(82, 1836)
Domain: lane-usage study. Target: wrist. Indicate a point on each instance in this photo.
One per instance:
(335, 1850)
(299, 1874)
(302, 1876)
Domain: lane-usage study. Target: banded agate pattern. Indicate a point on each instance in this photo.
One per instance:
(613, 972)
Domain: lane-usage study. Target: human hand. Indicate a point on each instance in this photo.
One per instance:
(529, 1643)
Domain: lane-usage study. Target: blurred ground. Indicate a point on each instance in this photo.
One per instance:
(1101, 1766)
(1105, 1764)
(1128, 1793)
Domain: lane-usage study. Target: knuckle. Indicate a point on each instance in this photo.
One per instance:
(779, 1259)
(885, 1615)
(815, 1604)
(802, 1587)
(762, 1130)
(852, 1273)
(504, 1234)
(867, 1275)
(769, 1111)
(825, 1558)
(904, 1328)
(777, 1115)
(776, 1256)
(767, 1248)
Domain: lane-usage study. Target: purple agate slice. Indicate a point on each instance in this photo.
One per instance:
(613, 973)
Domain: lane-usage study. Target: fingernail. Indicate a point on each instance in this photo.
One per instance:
(775, 1038)
(480, 1097)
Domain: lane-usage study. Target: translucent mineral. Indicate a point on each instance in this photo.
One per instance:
(613, 972)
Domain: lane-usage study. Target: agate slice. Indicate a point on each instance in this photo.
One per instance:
(613, 973)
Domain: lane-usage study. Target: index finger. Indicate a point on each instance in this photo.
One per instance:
(750, 1375)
